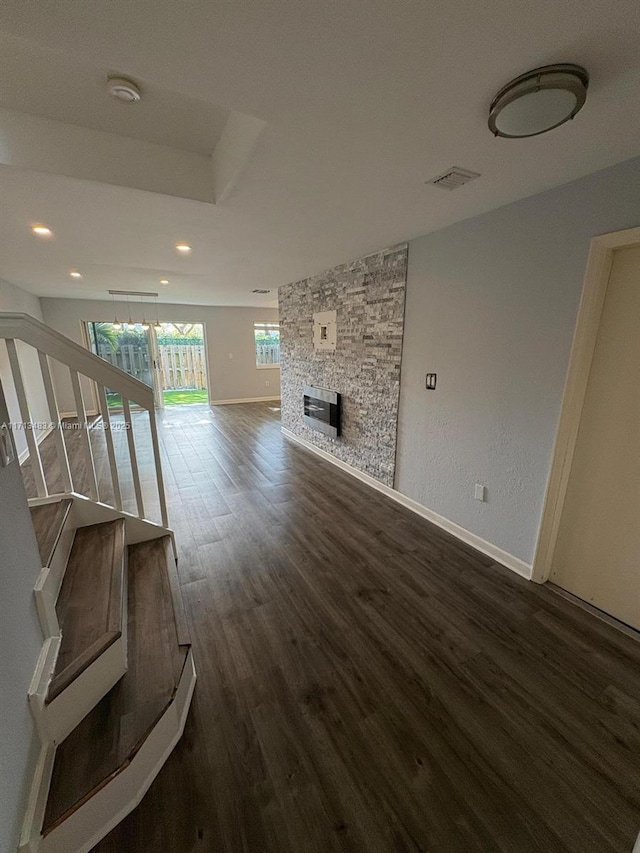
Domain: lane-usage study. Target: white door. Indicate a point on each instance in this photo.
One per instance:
(597, 556)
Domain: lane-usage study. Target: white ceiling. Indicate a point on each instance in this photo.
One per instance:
(364, 101)
(65, 87)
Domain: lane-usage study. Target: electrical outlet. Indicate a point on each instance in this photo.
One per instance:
(430, 384)
(479, 493)
(230, 355)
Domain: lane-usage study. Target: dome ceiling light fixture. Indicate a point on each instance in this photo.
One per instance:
(538, 101)
(124, 90)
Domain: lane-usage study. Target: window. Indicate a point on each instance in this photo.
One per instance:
(267, 341)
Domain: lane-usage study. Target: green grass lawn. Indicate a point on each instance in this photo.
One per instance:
(179, 398)
(171, 398)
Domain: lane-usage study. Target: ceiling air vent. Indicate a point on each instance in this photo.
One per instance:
(260, 291)
(453, 178)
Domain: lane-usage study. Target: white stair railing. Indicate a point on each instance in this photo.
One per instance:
(51, 345)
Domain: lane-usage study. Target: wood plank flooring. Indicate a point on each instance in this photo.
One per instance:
(367, 683)
(89, 606)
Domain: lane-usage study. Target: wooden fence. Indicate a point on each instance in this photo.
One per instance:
(182, 366)
(267, 353)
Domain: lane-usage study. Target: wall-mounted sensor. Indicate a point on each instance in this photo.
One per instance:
(431, 381)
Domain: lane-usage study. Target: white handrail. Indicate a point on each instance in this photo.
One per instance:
(50, 344)
(23, 327)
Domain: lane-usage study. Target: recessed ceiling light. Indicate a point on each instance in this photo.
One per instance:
(42, 230)
(124, 90)
(538, 101)
(164, 281)
(75, 274)
(185, 248)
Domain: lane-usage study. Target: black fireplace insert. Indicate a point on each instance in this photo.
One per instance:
(322, 410)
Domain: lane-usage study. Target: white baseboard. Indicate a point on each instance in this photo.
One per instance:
(244, 400)
(90, 413)
(503, 557)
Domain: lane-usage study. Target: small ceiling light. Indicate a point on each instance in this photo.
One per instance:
(42, 230)
(123, 90)
(538, 101)
(127, 323)
(75, 274)
(185, 248)
(117, 325)
(164, 281)
(144, 325)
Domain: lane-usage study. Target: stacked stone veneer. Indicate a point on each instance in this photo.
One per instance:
(368, 296)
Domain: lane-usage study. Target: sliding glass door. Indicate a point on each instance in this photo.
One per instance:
(130, 348)
(169, 357)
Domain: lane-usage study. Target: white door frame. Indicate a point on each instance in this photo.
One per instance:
(157, 375)
(585, 336)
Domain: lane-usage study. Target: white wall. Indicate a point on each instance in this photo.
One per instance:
(491, 308)
(227, 330)
(13, 298)
(20, 641)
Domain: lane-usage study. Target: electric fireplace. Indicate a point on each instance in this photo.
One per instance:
(322, 410)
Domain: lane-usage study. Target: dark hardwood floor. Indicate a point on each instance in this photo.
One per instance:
(366, 682)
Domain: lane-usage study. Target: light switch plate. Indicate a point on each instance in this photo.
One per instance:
(7, 455)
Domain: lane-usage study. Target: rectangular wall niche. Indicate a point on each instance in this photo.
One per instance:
(325, 330)
(342, 329)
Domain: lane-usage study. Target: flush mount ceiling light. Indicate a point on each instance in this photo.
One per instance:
(42, 230)
(164, 281)
(538, 101)
(260, 290)
(75, 274)
(184, 248)
(123, 90)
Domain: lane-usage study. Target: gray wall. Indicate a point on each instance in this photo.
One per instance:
(20, 641)
(491, 307)
(368, 296)
(227, 330)
(15, 299)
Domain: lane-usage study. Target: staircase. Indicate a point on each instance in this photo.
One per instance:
(113, 689)
(115, 676)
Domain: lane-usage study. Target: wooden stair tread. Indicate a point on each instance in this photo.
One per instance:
(184, 636)
(89, 605)
(48, 521)
(114, 730)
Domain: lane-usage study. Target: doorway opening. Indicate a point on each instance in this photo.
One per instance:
(169, 357)
(181, 363)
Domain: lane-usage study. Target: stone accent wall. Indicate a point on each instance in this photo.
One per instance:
(368, 295)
